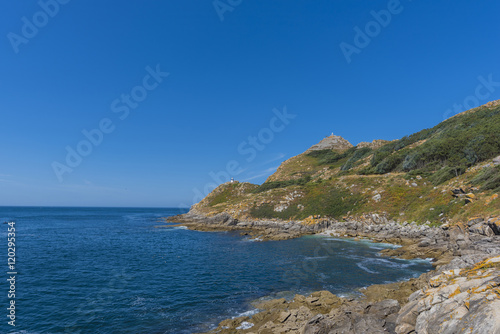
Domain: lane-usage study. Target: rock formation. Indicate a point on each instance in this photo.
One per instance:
(332, 142)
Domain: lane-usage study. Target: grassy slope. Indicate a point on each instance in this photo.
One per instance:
(414, 177)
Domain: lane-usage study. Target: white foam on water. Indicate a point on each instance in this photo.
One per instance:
(426, 260)
(171, 228)
(322, 277)
(335, 239)
(352, 294)
(366, 269)
(370, 243)
(139, 301)
(388, 263)
(245, 325)
(315, 257)
(247, 313)
(385, 245)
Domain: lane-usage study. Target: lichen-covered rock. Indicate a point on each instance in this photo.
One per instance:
(456, 301)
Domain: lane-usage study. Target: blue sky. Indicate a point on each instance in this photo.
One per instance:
(169, 92)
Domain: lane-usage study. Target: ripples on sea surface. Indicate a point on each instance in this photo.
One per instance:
(110, 270)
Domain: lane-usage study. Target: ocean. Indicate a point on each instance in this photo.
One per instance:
(115, 270)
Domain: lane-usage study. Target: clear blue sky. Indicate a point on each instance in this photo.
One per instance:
(74, 70)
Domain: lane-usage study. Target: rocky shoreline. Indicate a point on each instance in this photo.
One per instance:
(462, 294)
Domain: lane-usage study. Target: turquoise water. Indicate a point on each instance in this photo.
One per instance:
(110, 270)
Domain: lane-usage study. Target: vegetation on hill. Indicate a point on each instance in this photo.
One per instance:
(439, 174)
(453, 145)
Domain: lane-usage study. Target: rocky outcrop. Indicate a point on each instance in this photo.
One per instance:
(418, 241)
(490, 104)
(332, 142)
(461, 300)
(375, 227)
(461, 296)
(456, 301)
(377, 143)
(320, 312)
(265, 229)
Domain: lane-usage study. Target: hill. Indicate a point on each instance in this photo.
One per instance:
(444, 174)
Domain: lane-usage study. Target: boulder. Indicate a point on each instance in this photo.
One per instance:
(368, 324)
(496, 161)
(331, 143)
(494, 224)
(474, 221)
(384, 308)
(457, 191)
(454, 300)
(482, 229)
(319, 324)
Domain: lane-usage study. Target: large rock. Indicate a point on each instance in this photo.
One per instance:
(482, 229)
(454, 301)
(494, 224)
(331, 143)
(496, 161)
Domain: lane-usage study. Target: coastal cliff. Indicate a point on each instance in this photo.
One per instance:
(434, 192)
(442, 175)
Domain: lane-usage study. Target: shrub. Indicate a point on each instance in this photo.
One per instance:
(488, 179)
(411, 161)
(326, 157)
(389, 164)
(357, 155)
(318, 200)
(458, 142)
(445, 174)
(282, 184)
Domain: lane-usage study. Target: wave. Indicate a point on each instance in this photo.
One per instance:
(366, 269)
(368, 242)
(245, 325)
(247, 313)
(388, 263)
(315, 257)
(171, 228)
(322, 277)
(253, 239)
(180, 228)
(368, 264)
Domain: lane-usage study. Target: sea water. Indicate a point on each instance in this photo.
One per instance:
(114, 270)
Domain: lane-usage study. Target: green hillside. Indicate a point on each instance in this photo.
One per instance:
(441, 174)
